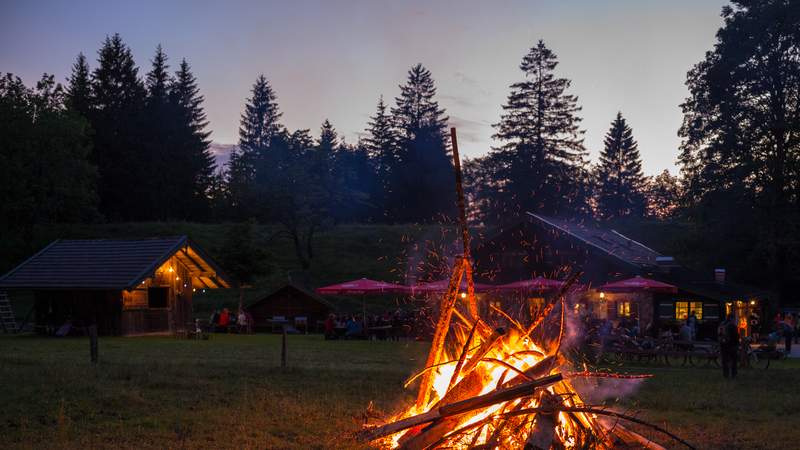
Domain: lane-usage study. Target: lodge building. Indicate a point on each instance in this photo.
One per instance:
(547, 246)
(124, 286)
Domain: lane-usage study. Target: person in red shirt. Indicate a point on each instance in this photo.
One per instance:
(330, 327)
(224, 319)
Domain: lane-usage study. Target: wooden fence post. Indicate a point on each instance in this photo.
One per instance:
(283, 348)
(92, 329)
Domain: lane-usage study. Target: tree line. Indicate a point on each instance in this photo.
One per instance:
(116, 145)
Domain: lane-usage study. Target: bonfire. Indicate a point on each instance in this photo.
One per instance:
(486, 387)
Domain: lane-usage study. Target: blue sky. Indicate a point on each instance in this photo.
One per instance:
(333, 59)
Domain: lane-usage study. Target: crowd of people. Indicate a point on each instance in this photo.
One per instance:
(223, 321)
(389, 325)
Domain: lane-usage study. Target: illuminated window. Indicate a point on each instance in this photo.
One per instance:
(684, 309)
(536, 302)
(494, 306)
(623, 309)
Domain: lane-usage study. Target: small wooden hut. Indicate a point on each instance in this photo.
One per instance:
(289, 302)
(124, 286)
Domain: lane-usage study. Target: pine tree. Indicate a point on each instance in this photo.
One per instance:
(423, 186)
(79, 90)
(380, 144)
(620, 182)
(539, 163)
(328, 138)
(194, 175)
(117, 119)
(159, 152)
(259, 129)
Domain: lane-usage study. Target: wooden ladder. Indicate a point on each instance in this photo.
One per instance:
(7, 317)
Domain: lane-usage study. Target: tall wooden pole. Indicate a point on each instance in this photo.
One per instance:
(462, 218)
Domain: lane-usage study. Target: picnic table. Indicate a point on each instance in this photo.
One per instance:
(380, 332)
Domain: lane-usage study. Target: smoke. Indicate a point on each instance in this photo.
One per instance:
(595, 390)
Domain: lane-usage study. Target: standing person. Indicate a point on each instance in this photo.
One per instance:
(754, 326)
(788, 331)
(728, 334)
(214, 320)
(224, 319)
(241, 321)
(330, 327)
(796, 328)
(692, 322)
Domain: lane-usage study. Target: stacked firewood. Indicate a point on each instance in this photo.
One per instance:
(502, 388)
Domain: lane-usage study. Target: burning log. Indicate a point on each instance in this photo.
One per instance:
(543, 434)
(439, 335)
(471, 404)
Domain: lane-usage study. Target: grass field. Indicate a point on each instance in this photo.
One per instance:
(230, 392)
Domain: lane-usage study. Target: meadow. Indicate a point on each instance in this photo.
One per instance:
(230, 392)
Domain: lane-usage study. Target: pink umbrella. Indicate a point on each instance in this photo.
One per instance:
(363, 286)
(534, 284)
(637, 284)
(439, 286)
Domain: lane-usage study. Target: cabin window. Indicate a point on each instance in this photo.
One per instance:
(684, 309)
(623, 309)
(537, 303)
(158, 297)
(135, 299)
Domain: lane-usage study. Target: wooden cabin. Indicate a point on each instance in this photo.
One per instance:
(124, 286)
(290, 303)
(548, 246)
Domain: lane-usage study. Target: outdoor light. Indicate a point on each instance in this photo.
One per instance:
(177, 278)
(752, 302)
(171, 269)
(463, 295)
(602, 295)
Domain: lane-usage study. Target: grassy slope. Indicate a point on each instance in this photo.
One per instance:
(230, 392)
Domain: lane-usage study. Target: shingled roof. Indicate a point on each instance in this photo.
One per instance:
(113, 264)
(608, 241)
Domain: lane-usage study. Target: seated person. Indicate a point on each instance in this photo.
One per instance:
(354, 328)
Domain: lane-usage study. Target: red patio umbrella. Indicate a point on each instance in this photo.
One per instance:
(363, 286)
(439, 286)
(638, 284)
(534, 284)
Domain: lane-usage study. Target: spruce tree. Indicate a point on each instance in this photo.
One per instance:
(194, 177)
(79, 89)
(619, 180)
(328, 138)
(380, 144)
(158, 144)
(540, 160)
(259, 131)
(118, 96)
(158, 78)
(424, 177)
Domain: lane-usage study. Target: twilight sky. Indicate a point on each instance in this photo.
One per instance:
(333, 59)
